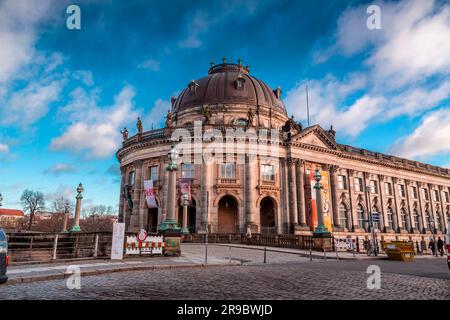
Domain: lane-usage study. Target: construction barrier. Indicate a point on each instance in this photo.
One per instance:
(151, 245)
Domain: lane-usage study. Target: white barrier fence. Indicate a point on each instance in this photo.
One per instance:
(152, 245)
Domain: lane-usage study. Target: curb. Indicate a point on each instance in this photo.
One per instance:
(87, 273)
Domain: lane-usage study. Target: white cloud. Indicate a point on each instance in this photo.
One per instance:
(4, 148)
(18, 22)
(198, 25)
(60, 168)
(430, 138)
(97, 132)
(157, 114)
(152, 65)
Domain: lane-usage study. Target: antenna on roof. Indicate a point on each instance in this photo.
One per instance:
(307, 105)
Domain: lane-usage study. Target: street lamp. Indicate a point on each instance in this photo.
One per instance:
(76, 224)
(320, 229)
(66, 215)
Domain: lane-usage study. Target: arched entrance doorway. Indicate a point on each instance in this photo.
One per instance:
(192, 216)
(152, 219)
(228, 215)
(267, 215)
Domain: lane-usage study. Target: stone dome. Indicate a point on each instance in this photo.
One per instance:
(229, 84)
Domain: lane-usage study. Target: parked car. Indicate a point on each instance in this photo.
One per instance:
(3, 256)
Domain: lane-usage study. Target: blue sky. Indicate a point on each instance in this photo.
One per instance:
(65, 94)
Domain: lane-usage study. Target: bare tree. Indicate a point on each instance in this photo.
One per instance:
(32, 202)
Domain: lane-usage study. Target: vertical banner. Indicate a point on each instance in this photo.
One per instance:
(149, 193)
(326, 201)
(184, 187)
(118, 241)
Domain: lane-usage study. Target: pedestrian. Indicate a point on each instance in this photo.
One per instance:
(249, 234)
(440, 246)
(432, 246)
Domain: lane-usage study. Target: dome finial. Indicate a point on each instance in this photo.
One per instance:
(224, 60)
(239, 62)
(212, 64)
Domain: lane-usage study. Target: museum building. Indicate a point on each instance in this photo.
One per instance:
(273, 194)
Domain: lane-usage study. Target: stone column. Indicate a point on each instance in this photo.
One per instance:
(410, 206)
(432, 207)
(142, 205)
(79, 197)
(122, 195)
(369, 200)
(422, 208)
(397, 221)
(206, 193)
(135, 215)
(301, 194)
(251, 173)
(292, 194)
(383, 215)
(443, 218)
(335, 196)
(352, 198)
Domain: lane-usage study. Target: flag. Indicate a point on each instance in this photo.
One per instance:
(184, 187)
(149, 193)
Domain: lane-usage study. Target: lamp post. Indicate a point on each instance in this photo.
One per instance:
(170, 223)
(76, 224)
(66, 215)
(371, 224)
(185, 230)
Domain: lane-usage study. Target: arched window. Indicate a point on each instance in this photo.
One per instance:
(428, 220)
(343, 214)
(390, 217)
(360, 215)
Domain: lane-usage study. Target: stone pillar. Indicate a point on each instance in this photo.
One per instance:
(142, 206)
(412, 225)
(422, 208)
(369, 200)
(352, 198)
(432, 207)
(122, 200)
(335, 197)
(206, 193)
(381, 189)
(79, 197)
(396, 218)
(301, 194)
(444, 220)
(138, 189)
(251, 173)
(292, 194)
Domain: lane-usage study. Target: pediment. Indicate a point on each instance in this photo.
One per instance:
(316, 136)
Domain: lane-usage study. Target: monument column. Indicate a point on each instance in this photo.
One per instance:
(79, 197)
(301, 202)
(170, 223)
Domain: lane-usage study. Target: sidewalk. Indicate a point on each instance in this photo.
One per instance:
(60, 270)
(321, 255)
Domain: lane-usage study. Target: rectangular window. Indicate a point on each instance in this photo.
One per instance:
(358, 184)
(446, 197)
(373, 186)
(131, 178)
(435, 195)
(187, 170)
(341, 183)
(388, 187)
(268, 172)
(401, 190)
(414, 192)
(153, 173)
(228, 170)
(425, 194)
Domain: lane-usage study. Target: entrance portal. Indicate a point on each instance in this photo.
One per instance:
(228, 215)
(267, 215)
(152, 220)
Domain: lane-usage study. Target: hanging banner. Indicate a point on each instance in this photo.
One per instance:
(149, 193)
(118, 239)
(184, 187)
(326, 201)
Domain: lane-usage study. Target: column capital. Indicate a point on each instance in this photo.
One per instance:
(430, 185)
(350, 172)
(138, 163)
(332, 168)
(366, 175)
(381, 177)
(395, 180)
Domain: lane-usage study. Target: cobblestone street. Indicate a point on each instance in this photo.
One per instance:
(285, 276)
